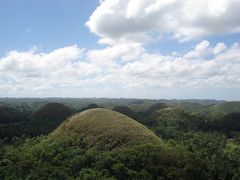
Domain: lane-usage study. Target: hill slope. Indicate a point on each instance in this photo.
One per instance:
(190, 107)
(52, 111)
(90, 106)
(9, 115)
(173, 114)
(227, 107)
(105, 129)
(126, 111)
(158, 106)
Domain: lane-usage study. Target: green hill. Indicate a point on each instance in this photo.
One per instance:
(105, 129)
(168, 117)
(9, 115)
(158, 106)
(227, 107)
(141, 107)
(126, 111)
(52, 111)
(191, 107)
(169, 113)
(228, 123)
(90, 106)
(4, 114)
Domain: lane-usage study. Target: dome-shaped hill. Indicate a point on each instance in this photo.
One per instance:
(191, 107)
(90, 106)
(172, 114)
(167, 117)
(5, 116)
(126, 111)
(158, 106)
(105, 129)
(143, 107)
(52, 111)
(227, 107)
(8, 114)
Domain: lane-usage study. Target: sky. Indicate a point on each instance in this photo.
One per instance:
(168, 49)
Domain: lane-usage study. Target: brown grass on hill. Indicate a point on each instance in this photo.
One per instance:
(105, 129)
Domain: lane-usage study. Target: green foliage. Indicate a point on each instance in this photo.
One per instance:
(199, 140)
(52, 112)
(228, 123)
(126, 111)
(227, 107)
(65, 158)
(190, 107)
(90, 106)
(158, 106)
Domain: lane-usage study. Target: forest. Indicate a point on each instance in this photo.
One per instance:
(98, 138)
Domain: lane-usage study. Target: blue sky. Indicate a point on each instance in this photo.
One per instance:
(112, 48)
(45, 24)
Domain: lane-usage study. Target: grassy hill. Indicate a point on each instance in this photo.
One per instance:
(191, 107)
(167, 117)
(158, 106)
(227, 107)
(105, 129)
(126, 111)
(142, 107)
(52, 111)
(4, 114)
(90, 106)
(8, 114)
(169, 114)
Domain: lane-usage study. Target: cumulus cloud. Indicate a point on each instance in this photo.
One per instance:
(125, 70)
(125, 20)
(125, 67)
(219, 48)
(32, 71)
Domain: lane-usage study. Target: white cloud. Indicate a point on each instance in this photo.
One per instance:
(219, 48)
(125, 20)
(125, 67)
(126, 70)
(123, 52)
(28, 71)
(201, 50)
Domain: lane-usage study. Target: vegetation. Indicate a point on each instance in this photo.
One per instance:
(52, 112)
(165, 139)
(158, 106)
(126, 111)
(90, 106)
(105, 129)
(227, 107)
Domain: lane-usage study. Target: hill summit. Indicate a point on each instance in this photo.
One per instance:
(105, 129)
(52, 111)
(227, 107)
(126, 111)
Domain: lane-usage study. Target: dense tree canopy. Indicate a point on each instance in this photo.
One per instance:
(197, 142)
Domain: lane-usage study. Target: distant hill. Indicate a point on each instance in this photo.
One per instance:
(52, 111)
(191, 106)
(227, 123)
(141, 107)
(168, 116)
(8, 114)
(166, 122)
(158, 106)
(90, 106)
(126, 111)
(227, 107)
(105, 129)
(169, 113)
